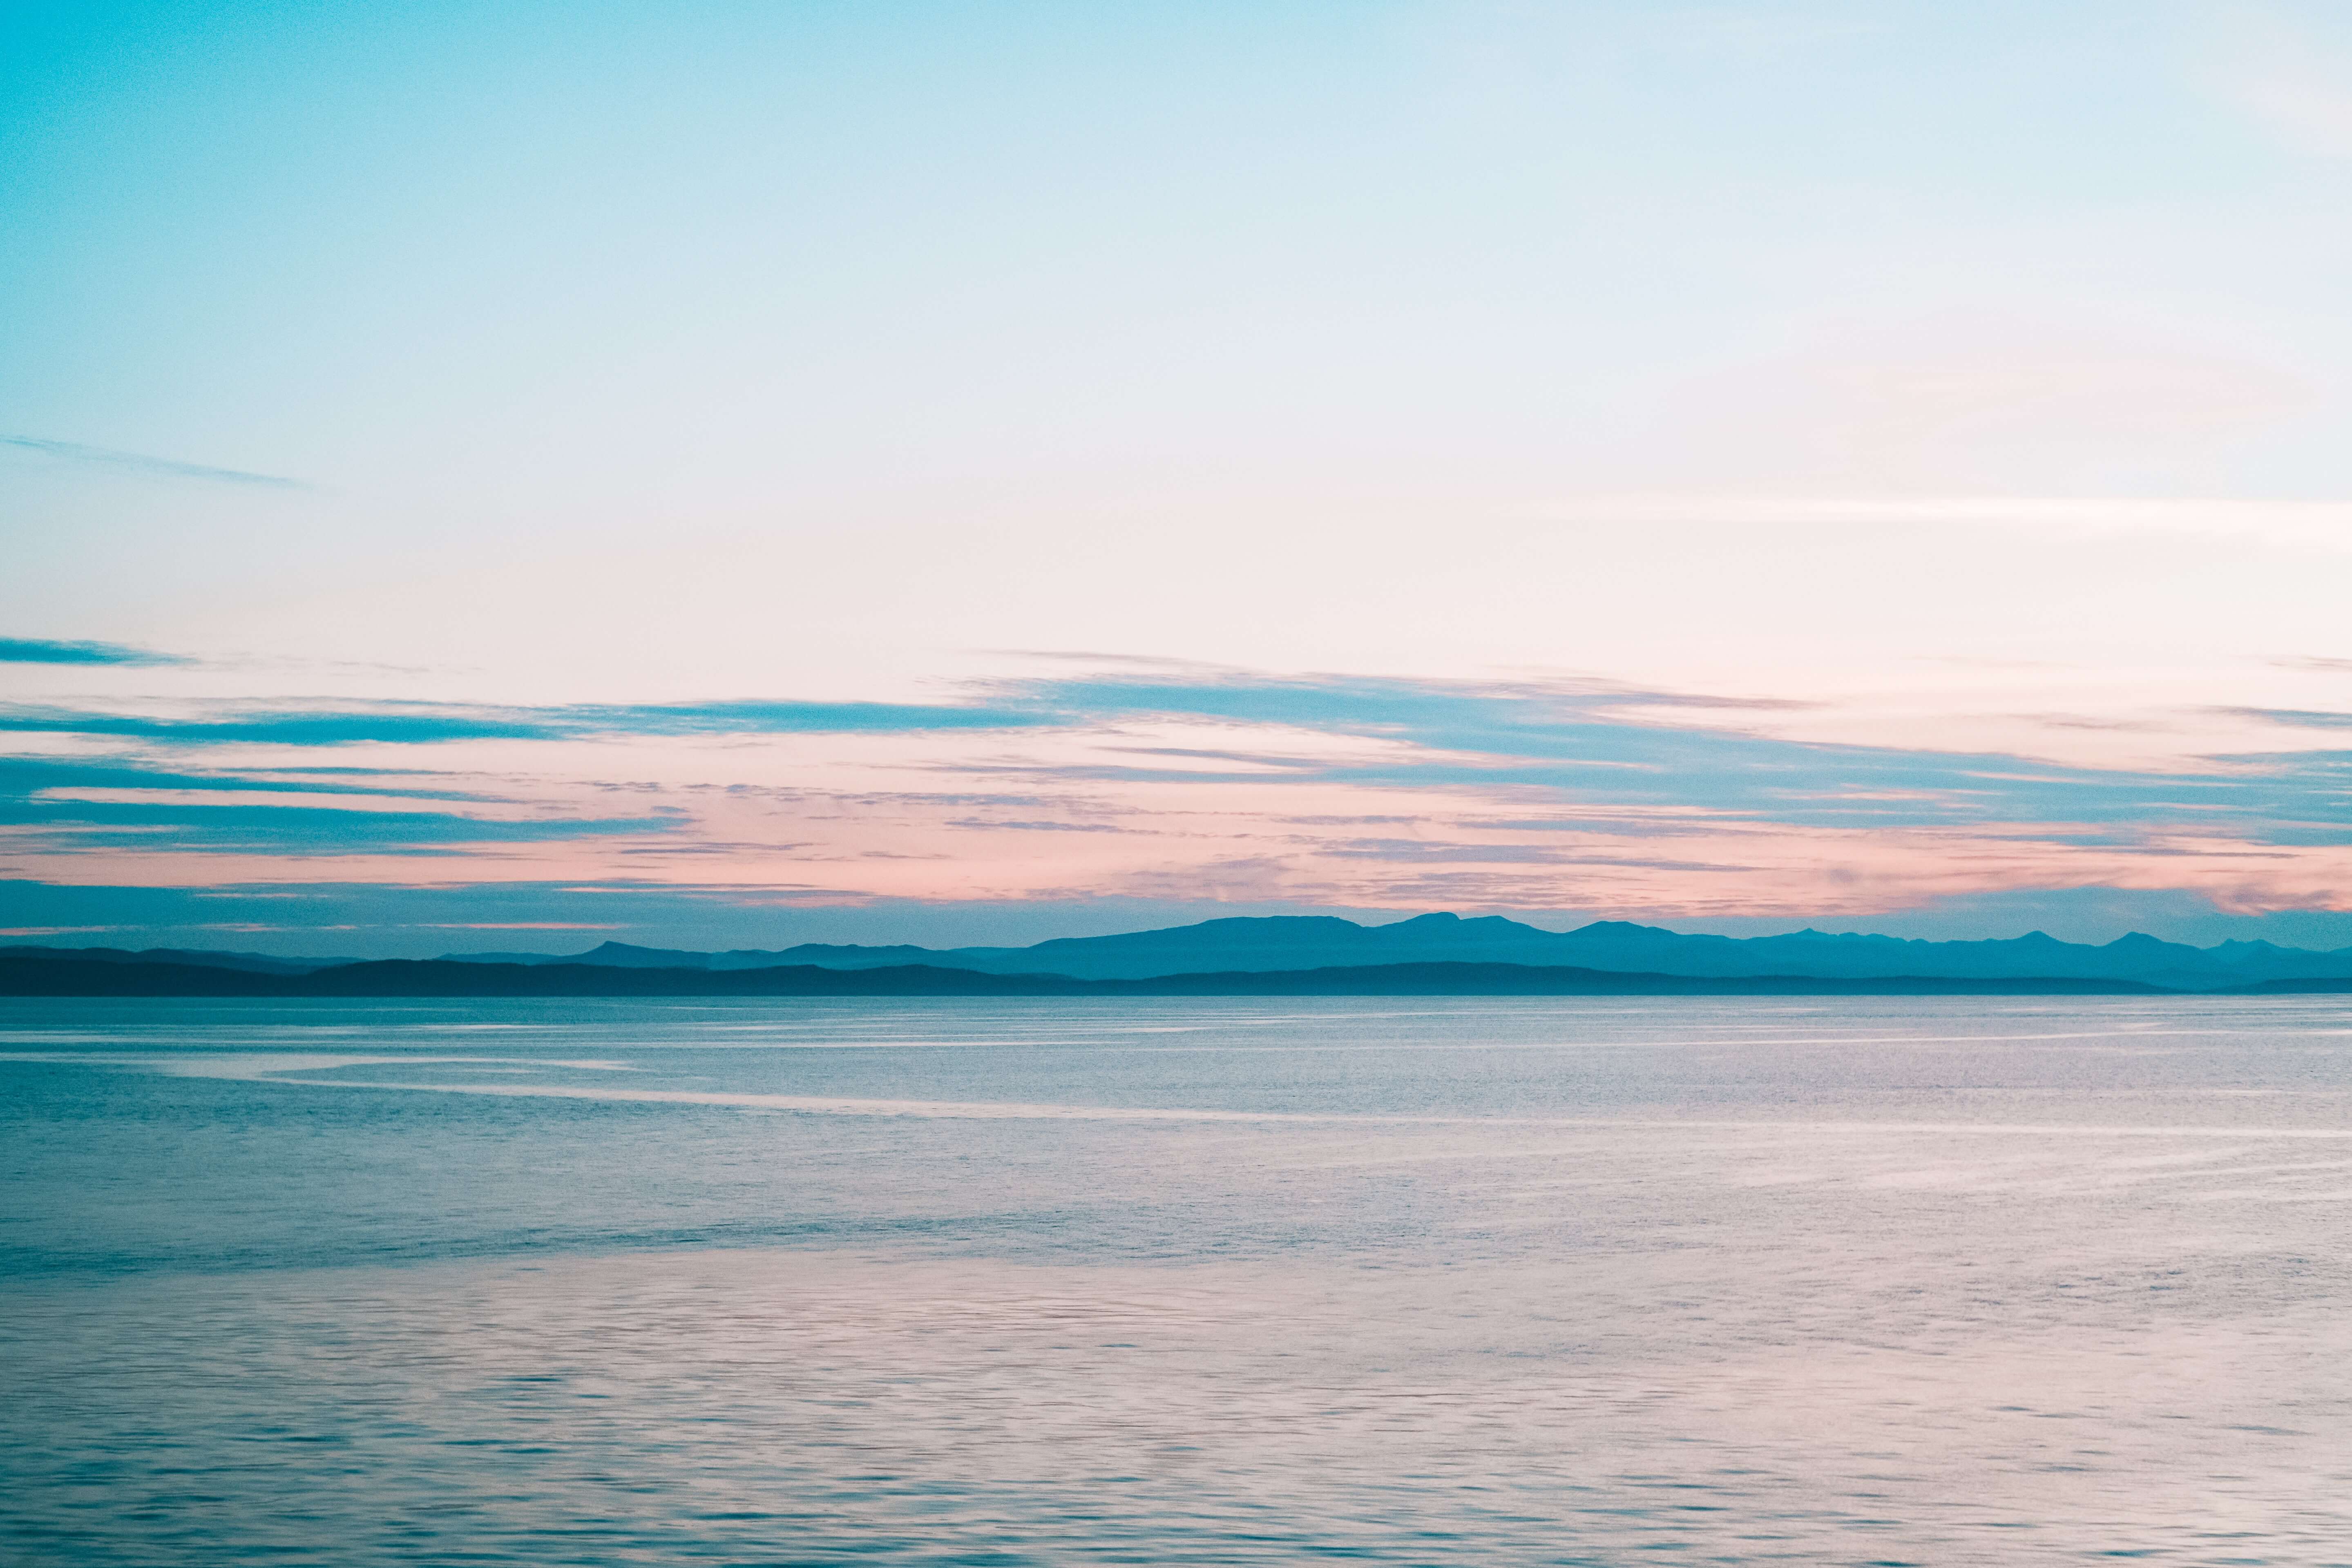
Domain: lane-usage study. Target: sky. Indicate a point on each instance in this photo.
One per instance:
(477, 476)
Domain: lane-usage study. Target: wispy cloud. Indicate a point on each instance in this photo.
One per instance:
(34, 775)
(2321, 523)
(417, 723)
(2297, 718)
(291, 830)
(145, 466)
(77, 805)
(1345, 790)
(37, 651)
(1594, 744)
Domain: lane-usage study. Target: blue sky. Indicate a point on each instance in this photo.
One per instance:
(1726, 465)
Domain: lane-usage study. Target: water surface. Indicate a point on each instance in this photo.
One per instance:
(1584, 1281)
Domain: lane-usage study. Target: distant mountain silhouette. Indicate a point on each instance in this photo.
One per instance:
(1296, 944)
(22, 976)
(202, 958)
(1276, 942)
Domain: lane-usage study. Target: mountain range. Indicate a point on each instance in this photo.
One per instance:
(1323, 941)
(1298, 944)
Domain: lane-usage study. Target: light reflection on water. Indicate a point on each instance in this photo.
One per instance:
(1204, 1281)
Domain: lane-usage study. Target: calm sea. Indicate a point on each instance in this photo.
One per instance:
(1007, 1282)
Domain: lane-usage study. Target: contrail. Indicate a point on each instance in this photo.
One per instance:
(140, 463)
